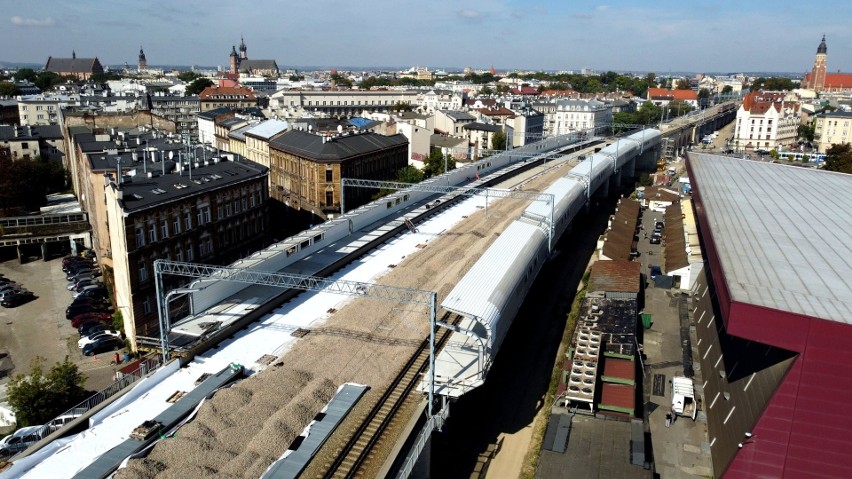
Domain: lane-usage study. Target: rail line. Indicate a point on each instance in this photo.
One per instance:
(356, 452)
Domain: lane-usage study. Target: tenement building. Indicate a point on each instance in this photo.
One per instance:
(209, 210)
(307, 168)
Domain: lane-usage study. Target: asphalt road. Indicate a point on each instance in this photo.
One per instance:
(39, 328)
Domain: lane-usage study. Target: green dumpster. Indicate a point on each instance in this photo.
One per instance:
(646, 320)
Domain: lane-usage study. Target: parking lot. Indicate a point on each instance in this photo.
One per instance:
(39, 327)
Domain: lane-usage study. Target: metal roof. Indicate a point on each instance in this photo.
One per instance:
(267, 129)
(487, 287)
(783, 234)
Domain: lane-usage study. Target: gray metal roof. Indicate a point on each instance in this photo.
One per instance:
(267, 129)
(783, 234)
(485, 290)
(73, 65)
(338, 148)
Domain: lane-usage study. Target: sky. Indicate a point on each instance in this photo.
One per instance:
(659, 36)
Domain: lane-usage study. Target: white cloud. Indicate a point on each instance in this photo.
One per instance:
(601, 8)
(471, 15)
(33, 22)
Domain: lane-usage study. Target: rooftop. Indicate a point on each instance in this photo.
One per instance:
(144, 191)
(334, 148)
(783, 234)
(615, 276)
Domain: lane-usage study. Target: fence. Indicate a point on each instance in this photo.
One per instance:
(39, 220)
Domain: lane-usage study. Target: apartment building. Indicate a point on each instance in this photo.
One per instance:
(291, 103)
(832, 128)
(767, 121)
(306, 168)
(43, 109)
(180, 109)
(210, 211)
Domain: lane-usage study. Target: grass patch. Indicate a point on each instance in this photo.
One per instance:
(540, 424)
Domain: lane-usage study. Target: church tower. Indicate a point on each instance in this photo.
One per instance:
(243, 49)
(235, 61)
(817, 80)
(142, 65)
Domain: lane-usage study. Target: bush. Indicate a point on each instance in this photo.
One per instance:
(38, 397)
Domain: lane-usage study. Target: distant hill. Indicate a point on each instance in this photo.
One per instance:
(4, 65)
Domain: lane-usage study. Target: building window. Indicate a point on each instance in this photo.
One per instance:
(140, 236)
(187, 221)
(190, 253)
(178, 254)
(176, 225)
(146, 306)
(152, 232)
(329, 198)
(207, 215)
(143, 272)
(244, 201)
(329, 175)
(199, 217)
(164, 229)
(220, 212)
(228, 208)
(252, 199)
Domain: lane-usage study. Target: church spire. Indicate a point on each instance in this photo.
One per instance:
(822, 48)
(243, 49)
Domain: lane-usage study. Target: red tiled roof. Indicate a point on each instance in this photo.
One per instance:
(618, 395)
(239, 91)
(525, 90)
(615, 276)
(500, 111)
(672, 94)
(619, 368)
(834, 80)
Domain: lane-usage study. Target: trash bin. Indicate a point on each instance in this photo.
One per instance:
(127, 357)
(646, 320)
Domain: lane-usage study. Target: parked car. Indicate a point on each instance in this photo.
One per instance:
(90, 326)
(20, 440)
(92, 292)
(9, 287)
(78, 285)
(656, 239)
(58, 422)
(17, 298)
(110, 343)
(77, 322)
(78, 265)
(78, 309)
(10, 291)
(93, 316)
(97, 336)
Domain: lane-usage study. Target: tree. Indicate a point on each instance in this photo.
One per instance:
(409, 174)
(340, 80)
(498, 141)
(434, 165)
(24, 184)
(296, 77)
(774, 84)
(46, 80)
(683, 84)
(806, 132)
(839, 158)
(703, 97)
(401, 106)
(188, 76)
(38, 397)
(727, 90)
(651, 79)
(8, 89)
(27, 74)
(198, 85)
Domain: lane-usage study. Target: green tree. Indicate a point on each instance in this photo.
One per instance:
(498, 141)
(27, 74)
(683, 84)
(24, 184)
(623, 118)
(773, 83)
(296, 77)
(409, 174)
(340, 80)
(703, 97)
(651, 79)
(401, 106)
(37, 397)
(188, 76)
(727, 90)
(839, 158)
(46, 80)
(198, 85)
(434, 165)
(806, 132)
(8, 89)
(104, 77)
(648, 113)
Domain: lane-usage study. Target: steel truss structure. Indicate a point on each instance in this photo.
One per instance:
(290, 281)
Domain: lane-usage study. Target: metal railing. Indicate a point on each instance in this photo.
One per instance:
(433, 423)
(146, 365)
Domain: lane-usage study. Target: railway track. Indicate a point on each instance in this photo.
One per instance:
(363, 440)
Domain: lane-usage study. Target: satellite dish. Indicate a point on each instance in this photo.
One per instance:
(310, 127)
(339, 129)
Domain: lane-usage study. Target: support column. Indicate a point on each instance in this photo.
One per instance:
(44, 251)
(20, 256)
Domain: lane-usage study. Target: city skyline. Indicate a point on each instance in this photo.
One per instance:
(661, 37)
